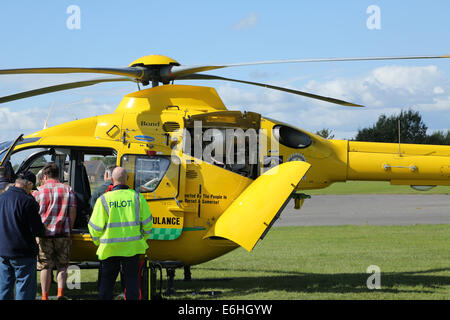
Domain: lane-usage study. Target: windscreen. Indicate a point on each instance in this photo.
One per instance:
(4, 147)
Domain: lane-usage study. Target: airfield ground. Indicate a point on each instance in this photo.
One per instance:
(323, 251)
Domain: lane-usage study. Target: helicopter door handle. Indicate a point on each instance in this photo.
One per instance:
(176, 200)
(124, 137)
(111, 129)
(386, 167)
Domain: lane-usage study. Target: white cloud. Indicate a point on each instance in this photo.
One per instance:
(385, 90)
(437, 104)
(390, 86)
(29, 115)
(247, 22)
(10, 84)
(438, 90)
(20, 120)
(24, 82)
(26, 121)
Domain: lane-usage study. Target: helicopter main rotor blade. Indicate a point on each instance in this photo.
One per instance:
(301, 93)
(132, 72)
(167, 73)
(180, 71)
(60, 87)
(341, 59)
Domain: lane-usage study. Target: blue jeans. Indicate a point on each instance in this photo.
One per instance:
(21, 273)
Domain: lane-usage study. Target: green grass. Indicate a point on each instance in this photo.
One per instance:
(321, 263)
(374, 187)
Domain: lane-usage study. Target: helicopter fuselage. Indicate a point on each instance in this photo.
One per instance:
(214, 179)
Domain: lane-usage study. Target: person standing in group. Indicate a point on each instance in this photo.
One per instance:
(20, 224)
(120, 225)
(102, 189)
(4, 180)
(58, 212)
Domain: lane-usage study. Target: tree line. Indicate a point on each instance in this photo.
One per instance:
(386, 129)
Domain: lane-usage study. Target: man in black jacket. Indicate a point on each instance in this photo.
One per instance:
(4, 181)
(20, 223)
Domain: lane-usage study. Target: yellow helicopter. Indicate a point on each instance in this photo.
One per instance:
(215, 179)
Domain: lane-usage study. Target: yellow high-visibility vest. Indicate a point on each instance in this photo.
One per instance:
(120, 224)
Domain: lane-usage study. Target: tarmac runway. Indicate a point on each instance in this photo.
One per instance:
(329, 210)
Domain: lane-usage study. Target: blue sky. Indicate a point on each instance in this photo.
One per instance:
(35, 34)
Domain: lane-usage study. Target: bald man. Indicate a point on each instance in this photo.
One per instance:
(119, 176)
(120, 225)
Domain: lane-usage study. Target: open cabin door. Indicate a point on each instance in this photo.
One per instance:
(80, 167)
(6, 149)
(228, 139)
(253, 213)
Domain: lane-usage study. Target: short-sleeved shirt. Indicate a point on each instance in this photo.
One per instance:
(55, 199)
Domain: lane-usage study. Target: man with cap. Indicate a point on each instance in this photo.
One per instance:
(20, 224)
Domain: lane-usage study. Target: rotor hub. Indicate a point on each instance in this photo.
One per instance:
(154, 60)
(156, 67)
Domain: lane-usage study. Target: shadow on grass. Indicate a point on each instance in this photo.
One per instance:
(418, 282)
(422, 282)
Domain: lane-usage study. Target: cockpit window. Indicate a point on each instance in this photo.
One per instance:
(153, 174)
(4, 146)
(291, 137)
(149, 172)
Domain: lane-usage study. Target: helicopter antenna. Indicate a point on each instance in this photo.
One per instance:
(48, 115)
(399, 144)
(76, 103)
